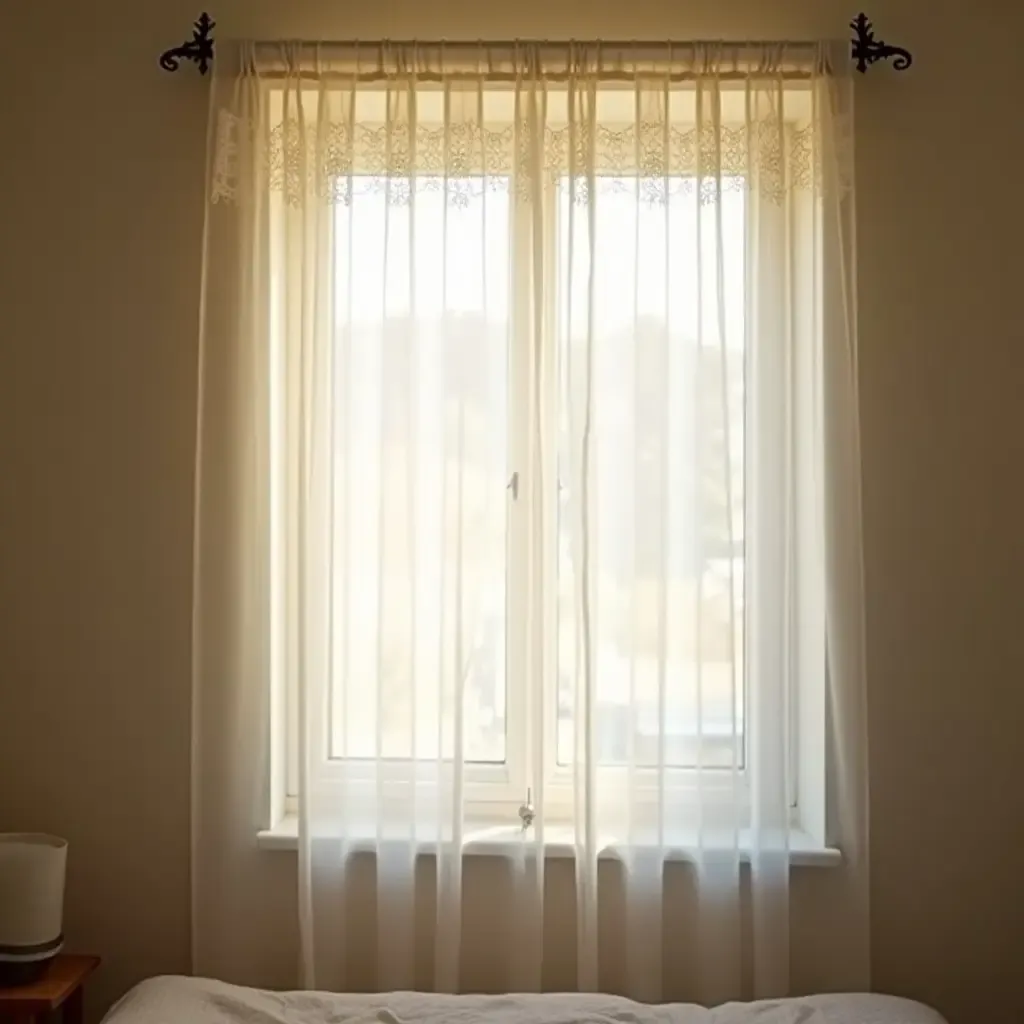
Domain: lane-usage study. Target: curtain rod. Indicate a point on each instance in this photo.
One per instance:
(865, 49)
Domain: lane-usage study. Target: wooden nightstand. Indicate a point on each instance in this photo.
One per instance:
(61, 986)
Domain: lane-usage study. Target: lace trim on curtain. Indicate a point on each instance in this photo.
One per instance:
(335, 161)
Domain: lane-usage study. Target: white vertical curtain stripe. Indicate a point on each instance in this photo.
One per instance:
(530, 374)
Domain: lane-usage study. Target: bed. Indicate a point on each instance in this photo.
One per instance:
(177, 1000)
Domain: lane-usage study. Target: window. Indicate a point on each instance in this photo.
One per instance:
(672, 397)
(465, 324)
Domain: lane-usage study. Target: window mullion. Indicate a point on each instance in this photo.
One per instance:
(517, 495)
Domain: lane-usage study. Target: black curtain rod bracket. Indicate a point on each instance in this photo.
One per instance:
(198, 49)
(864, 47)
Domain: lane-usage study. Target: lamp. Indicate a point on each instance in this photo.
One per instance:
(31, 904)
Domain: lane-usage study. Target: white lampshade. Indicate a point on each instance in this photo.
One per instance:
(31, 903)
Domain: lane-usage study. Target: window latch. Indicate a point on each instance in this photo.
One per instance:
(513, 486)
(526, 812)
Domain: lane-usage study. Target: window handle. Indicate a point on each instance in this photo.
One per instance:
(513, 486)
(527, 814)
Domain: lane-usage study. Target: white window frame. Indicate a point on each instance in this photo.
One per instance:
(495, 791)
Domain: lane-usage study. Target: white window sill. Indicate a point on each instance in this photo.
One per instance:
(502, 841)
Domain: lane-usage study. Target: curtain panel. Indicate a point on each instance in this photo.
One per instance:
(528, 496)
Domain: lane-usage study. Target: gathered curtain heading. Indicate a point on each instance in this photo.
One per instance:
(313, 121)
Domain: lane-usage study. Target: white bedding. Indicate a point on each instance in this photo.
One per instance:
(173, 1000)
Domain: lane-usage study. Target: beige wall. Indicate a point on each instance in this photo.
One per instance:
(100, 221)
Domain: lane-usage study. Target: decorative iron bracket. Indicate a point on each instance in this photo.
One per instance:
(866, 49)
(198, 49)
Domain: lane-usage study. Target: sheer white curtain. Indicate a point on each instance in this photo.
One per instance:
(528, 488)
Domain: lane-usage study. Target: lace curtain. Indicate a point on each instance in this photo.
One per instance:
(528, 478)
(718, 117)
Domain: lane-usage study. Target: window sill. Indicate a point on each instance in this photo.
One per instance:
(502, 841)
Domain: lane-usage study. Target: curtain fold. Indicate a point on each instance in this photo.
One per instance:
(528, 491)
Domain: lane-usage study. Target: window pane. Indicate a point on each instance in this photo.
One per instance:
(666, 476)
(421, 465)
